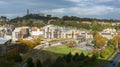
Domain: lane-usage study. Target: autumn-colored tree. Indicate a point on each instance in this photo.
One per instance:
(12, 53)
(71, 44)
(116, 40)
(36, 41)
(100, 41)
(31, 43)
(22, 48)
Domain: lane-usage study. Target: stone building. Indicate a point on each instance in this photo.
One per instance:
(52, 31)
(20, 32)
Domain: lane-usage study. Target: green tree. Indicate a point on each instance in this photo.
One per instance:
(76, 57)
(59, 60)
(17, 58)
(93, 58)
(82, 56)
(68, 57)
(104, 53)
(96, 53)
(30, 62)
(38, 63)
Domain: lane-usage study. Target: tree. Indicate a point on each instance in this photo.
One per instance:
(71, 44)
(47, 61)
(66, 18)
(30, 43)
(30, 62)
(68, 57)
(82, 56)
(59, 60)
(100, 41)
(12, 53)
(76, 57)
(104, 53)
(22, 48)
(110, 42)
(38, 63)
(17, 58)
(116, 40)
(93, 58)
(96, 53)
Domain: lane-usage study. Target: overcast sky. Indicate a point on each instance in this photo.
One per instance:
(109, 9)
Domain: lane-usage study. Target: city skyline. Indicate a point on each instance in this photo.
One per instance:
(103, 9)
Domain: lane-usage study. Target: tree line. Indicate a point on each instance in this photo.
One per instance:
(69, 60)
(65, 18)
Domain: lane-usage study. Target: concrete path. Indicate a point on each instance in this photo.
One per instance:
(115, 61)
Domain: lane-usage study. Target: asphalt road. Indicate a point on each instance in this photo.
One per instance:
(115, 61)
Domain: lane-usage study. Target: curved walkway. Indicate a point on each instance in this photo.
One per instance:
(114, 62)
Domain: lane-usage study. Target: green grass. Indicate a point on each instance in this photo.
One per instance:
(113, 55)
(56, 51)
(53, 52)
(63, 49)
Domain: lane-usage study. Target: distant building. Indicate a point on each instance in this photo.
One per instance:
(20, 32)
(35, 32)
(108, 33)
(52, 31)
(2, 32)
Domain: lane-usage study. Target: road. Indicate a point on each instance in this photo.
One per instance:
(115, 61)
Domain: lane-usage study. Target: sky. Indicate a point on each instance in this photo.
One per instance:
(102, 9)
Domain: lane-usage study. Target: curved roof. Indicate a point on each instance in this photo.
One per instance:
(2, 41)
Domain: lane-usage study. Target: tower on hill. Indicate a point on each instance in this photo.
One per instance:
(27, 11)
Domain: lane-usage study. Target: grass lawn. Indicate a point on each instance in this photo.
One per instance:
(53, 52)
(56, 51)
(63, 49)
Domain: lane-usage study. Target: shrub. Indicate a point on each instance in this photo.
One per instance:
(30, 62)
